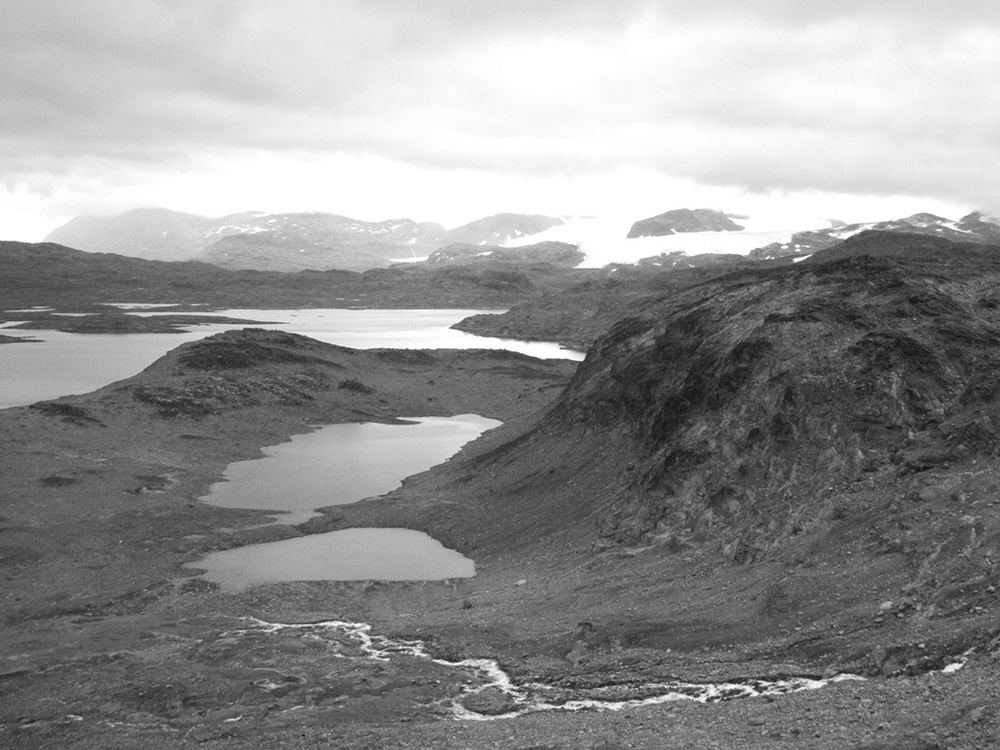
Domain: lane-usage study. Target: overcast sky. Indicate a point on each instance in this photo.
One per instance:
(447, 110)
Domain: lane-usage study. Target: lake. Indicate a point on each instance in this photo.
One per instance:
(335, 465)
(347, 555)
(69, 363)
(342, 463)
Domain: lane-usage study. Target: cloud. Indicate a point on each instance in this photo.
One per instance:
(766, 95)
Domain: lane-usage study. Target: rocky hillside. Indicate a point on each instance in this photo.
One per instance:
(800, 412)
(684, 220)
(282, 242)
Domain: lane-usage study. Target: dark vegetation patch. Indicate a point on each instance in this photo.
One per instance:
(169, 402)
(404, 356)
(70, 413)
(58, 480)
(355, 385)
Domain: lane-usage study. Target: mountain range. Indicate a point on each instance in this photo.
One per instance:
(677, 238)
(974, 227)
(283, 242)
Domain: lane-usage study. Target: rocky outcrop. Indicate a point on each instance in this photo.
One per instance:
(684, 220)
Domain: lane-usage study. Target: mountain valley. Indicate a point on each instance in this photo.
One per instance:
(762, 469)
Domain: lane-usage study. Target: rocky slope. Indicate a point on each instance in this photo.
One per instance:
(282, 242)
(684, 220)
(746, 399)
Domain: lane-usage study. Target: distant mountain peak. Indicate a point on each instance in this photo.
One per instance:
(684, 220)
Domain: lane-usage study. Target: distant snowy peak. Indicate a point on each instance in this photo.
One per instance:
(501, 229)
(971, 228)
(684, 220)
(603, 241)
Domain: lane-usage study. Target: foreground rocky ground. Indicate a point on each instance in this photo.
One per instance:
(630, 529)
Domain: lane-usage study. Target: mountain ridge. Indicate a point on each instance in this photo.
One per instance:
(282, 241)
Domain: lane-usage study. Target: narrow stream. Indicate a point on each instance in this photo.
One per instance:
(517, 699)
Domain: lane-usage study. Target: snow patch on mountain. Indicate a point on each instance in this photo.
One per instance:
(603, 240)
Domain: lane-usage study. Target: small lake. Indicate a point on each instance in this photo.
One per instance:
(347, 555)
(342, 463)
(67, 363)
(335, 465)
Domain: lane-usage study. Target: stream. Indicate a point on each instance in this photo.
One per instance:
(518, 699)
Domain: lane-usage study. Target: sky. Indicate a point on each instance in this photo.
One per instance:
(448, 110)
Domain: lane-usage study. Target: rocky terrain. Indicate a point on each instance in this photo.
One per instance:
(761, 471)
(684, 220)
(282, 242)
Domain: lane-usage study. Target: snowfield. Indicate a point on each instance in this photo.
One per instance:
(603, 240)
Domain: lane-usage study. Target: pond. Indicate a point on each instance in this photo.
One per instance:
(335, 465)
(342, 463)
(346, 555)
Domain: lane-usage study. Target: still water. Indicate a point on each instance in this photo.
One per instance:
(347, 555)
(335, 465)
(69, 363)
(342, 463)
